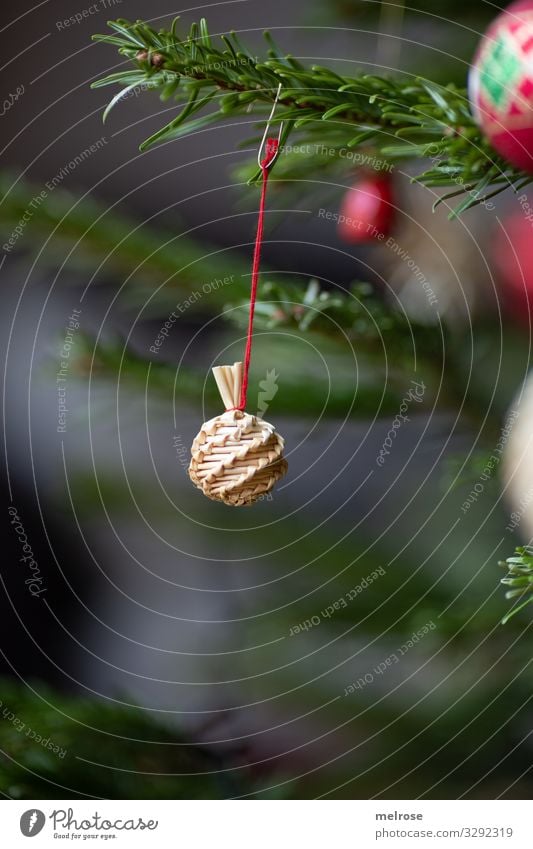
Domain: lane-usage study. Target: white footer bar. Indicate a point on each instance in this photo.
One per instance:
(268, 824)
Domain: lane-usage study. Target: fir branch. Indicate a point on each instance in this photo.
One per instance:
(400, 118)
(111, 361)
(357, 313)
(519, 579)
(93, 235)
(102, 241)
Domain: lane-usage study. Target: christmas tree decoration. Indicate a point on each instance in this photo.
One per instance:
(450, 282)
(236, 458)
(501, 84)
(367, 210)
(511, 255)
(468, 155)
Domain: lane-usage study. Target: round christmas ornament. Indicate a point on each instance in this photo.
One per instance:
(236, 458)
(367, 210)
(511, 255)
(501, 84)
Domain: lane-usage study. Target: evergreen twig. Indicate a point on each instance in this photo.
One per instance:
(400, 118)
(519, 579)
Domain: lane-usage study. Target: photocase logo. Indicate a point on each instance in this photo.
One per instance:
(269, 388)
(32, 822)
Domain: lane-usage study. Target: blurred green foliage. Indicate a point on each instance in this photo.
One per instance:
(53, 745)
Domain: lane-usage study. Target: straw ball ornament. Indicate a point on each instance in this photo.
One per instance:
(236, 458)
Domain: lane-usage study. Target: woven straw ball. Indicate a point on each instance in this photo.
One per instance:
(236, 458)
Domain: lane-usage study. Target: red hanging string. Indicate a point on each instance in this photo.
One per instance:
(271, 149)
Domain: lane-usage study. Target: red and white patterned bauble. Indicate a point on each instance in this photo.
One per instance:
(511, 249)
(367, 210)
(501, 84)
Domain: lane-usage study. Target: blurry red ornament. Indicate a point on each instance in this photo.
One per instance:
(512, 250)
(367, 210)
(501, 84)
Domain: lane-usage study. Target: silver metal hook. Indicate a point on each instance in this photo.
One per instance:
(265, 134)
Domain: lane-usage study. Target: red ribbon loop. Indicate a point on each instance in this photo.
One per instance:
(271, 150)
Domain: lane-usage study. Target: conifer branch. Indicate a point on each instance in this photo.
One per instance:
(403, 118)
(519, 579)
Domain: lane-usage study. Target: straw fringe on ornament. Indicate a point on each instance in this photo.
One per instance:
(236, 457)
